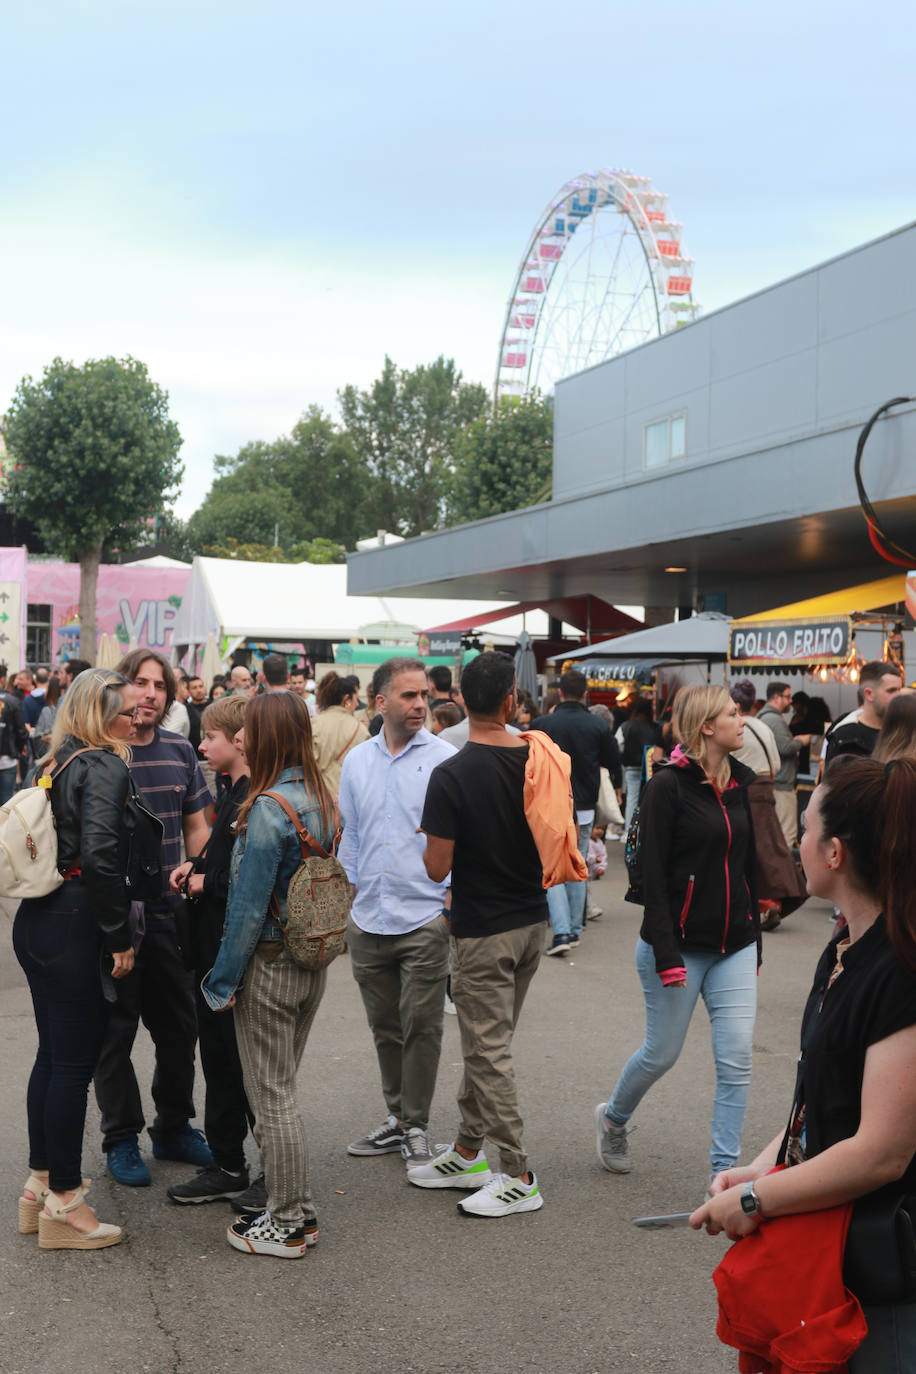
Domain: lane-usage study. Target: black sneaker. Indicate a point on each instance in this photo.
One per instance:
(253, 1201)
(209, 1185)
(559, 945)
(573, 941)
(386, 1139)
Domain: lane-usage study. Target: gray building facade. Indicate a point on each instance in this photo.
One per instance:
(724, 449)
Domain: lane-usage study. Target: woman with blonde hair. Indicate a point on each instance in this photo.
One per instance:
(73, 941)
(275, 999)
(700, 935)
(335, 730)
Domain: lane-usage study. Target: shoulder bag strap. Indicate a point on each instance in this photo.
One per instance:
(338, 757)
(748, 721)
(48, 777)
(306, 841)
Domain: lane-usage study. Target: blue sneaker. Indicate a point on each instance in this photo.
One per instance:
(126, 1166)
(188, 1146)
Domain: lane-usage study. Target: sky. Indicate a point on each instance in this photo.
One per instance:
(260, 203)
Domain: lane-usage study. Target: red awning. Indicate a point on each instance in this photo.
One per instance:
(589, 614)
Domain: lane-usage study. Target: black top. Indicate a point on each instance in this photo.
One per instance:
(104, 829)
(639, 735)
(210, 909)
(13, 735)
(590, 745)
(851, 738)
(699, 863)
(874, 997)
(476, 799)
(195, 730)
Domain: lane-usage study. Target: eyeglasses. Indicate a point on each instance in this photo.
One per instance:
(131, 715)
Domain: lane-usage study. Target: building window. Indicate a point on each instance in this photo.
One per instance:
(38, 634)
(665, 440)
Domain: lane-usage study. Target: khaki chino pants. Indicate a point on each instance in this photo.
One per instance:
(402, 982)
(787, 814)
(490, 976)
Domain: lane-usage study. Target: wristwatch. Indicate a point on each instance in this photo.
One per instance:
(750, 1202)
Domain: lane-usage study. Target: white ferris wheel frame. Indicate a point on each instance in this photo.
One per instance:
(669, 269)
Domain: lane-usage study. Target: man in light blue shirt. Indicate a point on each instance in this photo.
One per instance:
(397, 933)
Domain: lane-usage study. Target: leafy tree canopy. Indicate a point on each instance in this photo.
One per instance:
(95, 455)
(309, 485)
(306, 551)
(94, 458)
(404, 429)
(504, 460)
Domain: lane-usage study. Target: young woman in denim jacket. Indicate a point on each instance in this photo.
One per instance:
(275, 1000)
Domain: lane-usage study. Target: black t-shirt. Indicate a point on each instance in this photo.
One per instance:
(476, 799)
(874, 997)
(851, 738)
(639, 735)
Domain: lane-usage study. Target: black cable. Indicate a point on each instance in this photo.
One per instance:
(876, 534)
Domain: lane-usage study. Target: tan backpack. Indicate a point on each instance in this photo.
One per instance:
(28, 838)
(317, 901)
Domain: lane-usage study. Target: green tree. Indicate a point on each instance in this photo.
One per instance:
(307, 551)
(405, 428)
(308, 485)
(95, 457)
(504, 460)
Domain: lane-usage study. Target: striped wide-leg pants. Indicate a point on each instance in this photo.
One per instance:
(274, 1012)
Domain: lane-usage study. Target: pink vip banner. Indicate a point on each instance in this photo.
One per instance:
(131, 603)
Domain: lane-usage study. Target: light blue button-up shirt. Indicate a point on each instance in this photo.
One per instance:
(381, 802)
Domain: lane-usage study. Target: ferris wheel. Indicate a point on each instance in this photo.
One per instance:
(604, 269)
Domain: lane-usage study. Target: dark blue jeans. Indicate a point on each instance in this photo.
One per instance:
(59, 945)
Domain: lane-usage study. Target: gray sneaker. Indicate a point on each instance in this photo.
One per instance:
(613, 1152)
(415, 1150)
(386, 1139)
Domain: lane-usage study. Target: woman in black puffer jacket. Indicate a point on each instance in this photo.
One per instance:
(70, 942)
(700, 934)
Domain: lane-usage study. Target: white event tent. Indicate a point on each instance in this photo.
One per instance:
(287, 603)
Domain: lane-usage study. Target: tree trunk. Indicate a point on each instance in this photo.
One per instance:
(89, 559)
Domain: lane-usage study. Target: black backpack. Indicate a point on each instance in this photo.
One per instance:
(633, 858)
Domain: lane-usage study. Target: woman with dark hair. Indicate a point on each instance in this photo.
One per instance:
(40, 737)
(335, 731)
(780, 886)
(275, 1000)
(852, 1130)
(72, 942)
(897, 736)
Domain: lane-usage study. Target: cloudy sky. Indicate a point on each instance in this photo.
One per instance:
(261, 202)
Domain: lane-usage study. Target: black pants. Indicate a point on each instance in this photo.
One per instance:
(59, 945)
(227, 1114)
(160, 993)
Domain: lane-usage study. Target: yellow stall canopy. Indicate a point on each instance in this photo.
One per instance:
(868, 596)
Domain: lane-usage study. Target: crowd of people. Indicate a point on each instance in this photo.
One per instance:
(468, 824)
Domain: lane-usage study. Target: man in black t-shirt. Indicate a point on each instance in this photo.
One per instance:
(857, 734)
(474, 819)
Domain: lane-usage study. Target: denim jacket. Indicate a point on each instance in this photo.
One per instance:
(265, 857)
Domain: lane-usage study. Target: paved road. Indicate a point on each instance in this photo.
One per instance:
(400, 1282)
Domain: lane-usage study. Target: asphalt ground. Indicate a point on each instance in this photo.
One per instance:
(399, 1281)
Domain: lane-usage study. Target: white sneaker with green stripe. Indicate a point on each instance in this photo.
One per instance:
(502, 1196)
(451, 1170)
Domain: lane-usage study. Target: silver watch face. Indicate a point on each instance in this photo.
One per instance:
(749, 1203)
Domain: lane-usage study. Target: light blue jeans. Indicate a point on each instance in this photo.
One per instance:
(632, 777)
(566, 901)
(890, 1346)
(728, 986)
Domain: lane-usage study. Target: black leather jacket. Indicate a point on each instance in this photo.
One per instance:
(104, 829)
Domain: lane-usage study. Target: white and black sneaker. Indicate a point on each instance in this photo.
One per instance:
(502, 1196)
(264, 1236)
(387, 1139)
(415, 1150)
(451, 1170)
